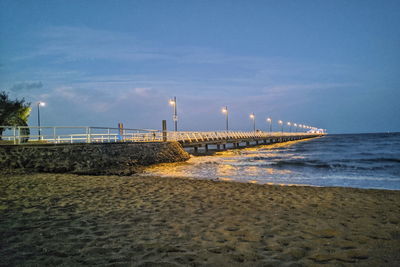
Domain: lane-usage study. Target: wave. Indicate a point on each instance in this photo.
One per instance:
(332, 166)
(397, 160)
(259, 158)
(302, 163)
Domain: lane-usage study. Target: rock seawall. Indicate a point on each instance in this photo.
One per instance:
(104, 158)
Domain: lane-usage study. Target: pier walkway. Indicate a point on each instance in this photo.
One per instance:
(195, 140)
(224, 140)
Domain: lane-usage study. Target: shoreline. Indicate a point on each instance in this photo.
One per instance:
(231, 180)
(71, 219)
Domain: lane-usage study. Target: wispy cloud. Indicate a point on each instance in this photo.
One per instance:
(68, 44)
(22, 86)
(285, 88)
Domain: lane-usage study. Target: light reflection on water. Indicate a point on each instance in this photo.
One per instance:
(363, 161)
(241, 165)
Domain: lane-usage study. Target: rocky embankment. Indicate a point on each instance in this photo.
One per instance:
(105, 158)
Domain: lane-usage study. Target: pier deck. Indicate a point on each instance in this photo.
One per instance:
(61, 134)
(237, 139)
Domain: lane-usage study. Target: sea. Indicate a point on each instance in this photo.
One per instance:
(345, 160)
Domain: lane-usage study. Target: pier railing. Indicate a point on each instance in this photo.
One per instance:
(81, 134)
(224, 135)
(75, 134)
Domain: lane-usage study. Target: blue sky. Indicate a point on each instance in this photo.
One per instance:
(331, 64)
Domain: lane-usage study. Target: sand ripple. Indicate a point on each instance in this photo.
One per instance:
(55, 219)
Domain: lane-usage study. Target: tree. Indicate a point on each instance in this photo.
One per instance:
(14, 113)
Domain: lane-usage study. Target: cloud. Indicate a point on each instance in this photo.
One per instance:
(23, 86)
(69, 44)
(283, 89)
(143, 91)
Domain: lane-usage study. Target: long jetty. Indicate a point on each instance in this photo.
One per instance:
(96, 150)
(188, 139)
(227, 140)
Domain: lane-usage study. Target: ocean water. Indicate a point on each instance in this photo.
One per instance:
(356, 160)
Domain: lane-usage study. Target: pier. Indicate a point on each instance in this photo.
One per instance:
(231, 140)
(216, 140)
(97, 150)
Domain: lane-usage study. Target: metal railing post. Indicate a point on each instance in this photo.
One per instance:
(88, 136)
(15, 135)
(19, 135)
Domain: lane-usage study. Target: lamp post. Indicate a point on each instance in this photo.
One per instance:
(290, 126)
(270, 124)
(281, 123)
(295, 125)
(39, 104)
(172, 102)
(225, 110)
(253, 117)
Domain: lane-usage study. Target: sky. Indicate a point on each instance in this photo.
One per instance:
(329, 64)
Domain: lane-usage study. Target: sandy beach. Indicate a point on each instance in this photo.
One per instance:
(72, 220)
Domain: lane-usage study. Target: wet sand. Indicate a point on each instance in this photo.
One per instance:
(71, 220)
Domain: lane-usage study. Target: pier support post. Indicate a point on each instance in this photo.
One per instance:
(218, 147)
(224, 146)
(247, 143)
(206, 147)
(196, 149)
(164, 130)
(256, 142)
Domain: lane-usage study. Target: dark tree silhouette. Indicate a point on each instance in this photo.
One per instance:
(13, 113)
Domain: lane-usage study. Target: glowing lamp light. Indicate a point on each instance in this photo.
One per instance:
(269, 119)
(172, 102)
(289, 123)
(280, 122)
(42, 104)
(225, 111)
(252, 116)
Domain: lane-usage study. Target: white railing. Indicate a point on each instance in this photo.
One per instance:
(80, 134)
(75, 134)
(191, 137)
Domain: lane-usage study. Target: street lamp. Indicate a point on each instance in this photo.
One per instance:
(290, 126)
(295, 125)
(270, 124)
(253, 117)
(281, 123)
(173, 103)
(39, 104)
(225, 110)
